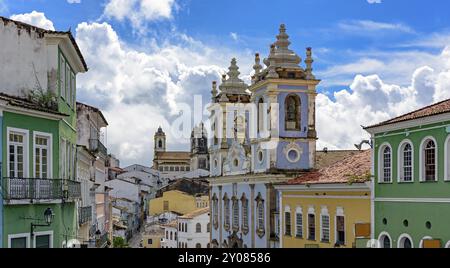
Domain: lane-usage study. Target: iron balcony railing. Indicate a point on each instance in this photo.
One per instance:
(97, 146)
(39, 189)
(84, 215)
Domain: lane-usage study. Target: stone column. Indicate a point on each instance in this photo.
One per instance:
(220, 216)
(252, 209)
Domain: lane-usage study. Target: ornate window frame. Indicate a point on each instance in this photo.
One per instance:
(422, 159)
(298, 119)
(244, 216)
(235, 210)
(401, 161)
(226, 212)
(260, 213)
(215, 208)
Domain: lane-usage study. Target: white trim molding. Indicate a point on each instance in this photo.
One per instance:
(447, 245)
(413, 200)
(400, 161)
(49, 233)
(422, 158)
(381, 149)
(26, 149)
(49, 136)
(12, 236)
(382, 235)
(447, 158)
(401, 240)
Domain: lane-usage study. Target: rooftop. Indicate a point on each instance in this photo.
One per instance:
(195, 213)
(42, 32)
(172, 155)
(434, 109)
(354, 168)
(27, 104)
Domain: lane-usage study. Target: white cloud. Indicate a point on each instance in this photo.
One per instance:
(374, 1)
(365, 26)
(139, 90)
(35, 18)
(370, 100)
(74, 1)
(138, 12)
(234, 36)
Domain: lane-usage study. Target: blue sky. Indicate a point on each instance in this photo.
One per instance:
(147, 56)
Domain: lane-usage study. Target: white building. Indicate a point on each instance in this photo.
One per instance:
(194, 229)
(91, 126)
(170, 239)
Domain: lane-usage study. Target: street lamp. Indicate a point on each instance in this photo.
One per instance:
(48, 218)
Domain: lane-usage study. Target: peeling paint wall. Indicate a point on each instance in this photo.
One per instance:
(25, 61)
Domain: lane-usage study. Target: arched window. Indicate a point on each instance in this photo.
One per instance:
(405, 241)
(325, 225)
(292, 112)
(429, 160)
(226, 207)
(160, 144)
(405, 162)
(261, 114)
(260, 215)
(185, 227)
(198, 245)
(385, 162)
(215, 212)
(175, 236)
(171, 236)
(167, 234)
(244, 202)
(208, 227)
(179, 227)
(198, 228)
(447, 159)
(299, 223)
(385, 240)
(287, 221)
(235, 214)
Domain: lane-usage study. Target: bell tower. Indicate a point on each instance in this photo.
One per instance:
(160, 141)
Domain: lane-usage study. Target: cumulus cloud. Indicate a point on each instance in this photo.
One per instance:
(138, 12)
(370, 100)
(35, 18)
(139, 90)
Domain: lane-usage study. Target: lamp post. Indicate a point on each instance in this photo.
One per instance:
(48, 218)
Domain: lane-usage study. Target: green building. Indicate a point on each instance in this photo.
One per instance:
(411, 188)
(38, 136)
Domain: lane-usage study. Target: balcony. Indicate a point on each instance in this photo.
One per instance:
(19, 189)
(84, 215)
(97, 146)
(102, 241)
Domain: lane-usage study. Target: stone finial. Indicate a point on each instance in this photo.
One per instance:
(257, 67)
(214, 91)
(224, 78)
(309, 61)
(233, 72)
(282, 38)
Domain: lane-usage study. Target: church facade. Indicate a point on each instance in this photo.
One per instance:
(173, 164)
(262, 134)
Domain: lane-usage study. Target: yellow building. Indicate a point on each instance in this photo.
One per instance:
(152, 239)
(178, 202)
(328, 208)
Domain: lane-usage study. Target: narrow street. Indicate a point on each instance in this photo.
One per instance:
(136, 239)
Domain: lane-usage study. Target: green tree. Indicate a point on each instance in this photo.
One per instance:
(119, 242)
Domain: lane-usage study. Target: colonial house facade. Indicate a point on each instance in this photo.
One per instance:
(256, 145)
(329, 207)
(38, 116)
(411, 186)
(90, 127)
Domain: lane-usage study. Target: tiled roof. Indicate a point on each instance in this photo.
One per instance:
(434, 109)
(173, 156)
(172, 224)
(27, 104)
(355, 168)
(329, 157)
(195, 213)
(41, 32)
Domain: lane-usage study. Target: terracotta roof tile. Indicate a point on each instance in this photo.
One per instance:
(434, 109)
(356, 166)
(195, 213)
(173, 156)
